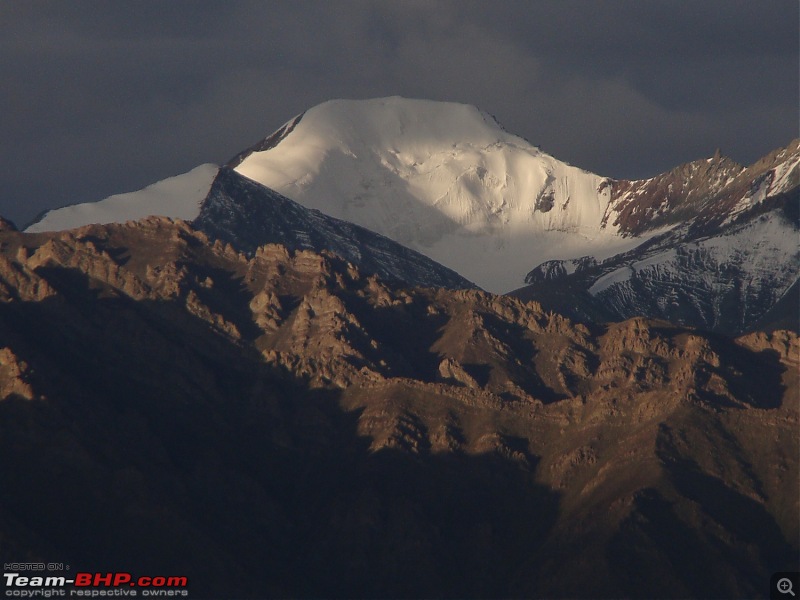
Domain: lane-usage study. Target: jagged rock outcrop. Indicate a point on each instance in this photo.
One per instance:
(13, 376)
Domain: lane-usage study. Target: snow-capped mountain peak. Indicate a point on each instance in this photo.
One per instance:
(440, 177)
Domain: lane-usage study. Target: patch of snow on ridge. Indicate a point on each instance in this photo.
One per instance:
(786, 177)
(442, 178)
(782, 178)
(177, 197)
(620, 275)
(657, 262)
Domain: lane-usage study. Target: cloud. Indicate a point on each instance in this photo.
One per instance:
(107, 97)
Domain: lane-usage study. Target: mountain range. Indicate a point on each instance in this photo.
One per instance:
(292, 376)
(710, 244)
(283, 425)
(728, 262)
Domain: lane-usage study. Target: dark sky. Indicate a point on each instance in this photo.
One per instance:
(106, 97)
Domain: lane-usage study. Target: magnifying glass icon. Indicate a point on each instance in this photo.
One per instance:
(784, 586)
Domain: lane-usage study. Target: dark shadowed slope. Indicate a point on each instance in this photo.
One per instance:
(248, 215)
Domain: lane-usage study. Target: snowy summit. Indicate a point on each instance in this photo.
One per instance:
(442, 178)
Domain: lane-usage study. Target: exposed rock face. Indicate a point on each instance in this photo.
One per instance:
(670, 198)
(13, 376)
(704, 192)
(281, 424)
(268, 142)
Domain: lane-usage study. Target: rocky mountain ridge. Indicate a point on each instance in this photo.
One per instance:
(280, 424)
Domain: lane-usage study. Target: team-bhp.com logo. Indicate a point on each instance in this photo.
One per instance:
(94, 585)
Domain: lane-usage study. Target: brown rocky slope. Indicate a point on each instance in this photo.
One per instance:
(285, 426)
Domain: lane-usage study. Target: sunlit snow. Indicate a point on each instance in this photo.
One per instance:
(178, 197)
(765, 250)
(444, 179)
